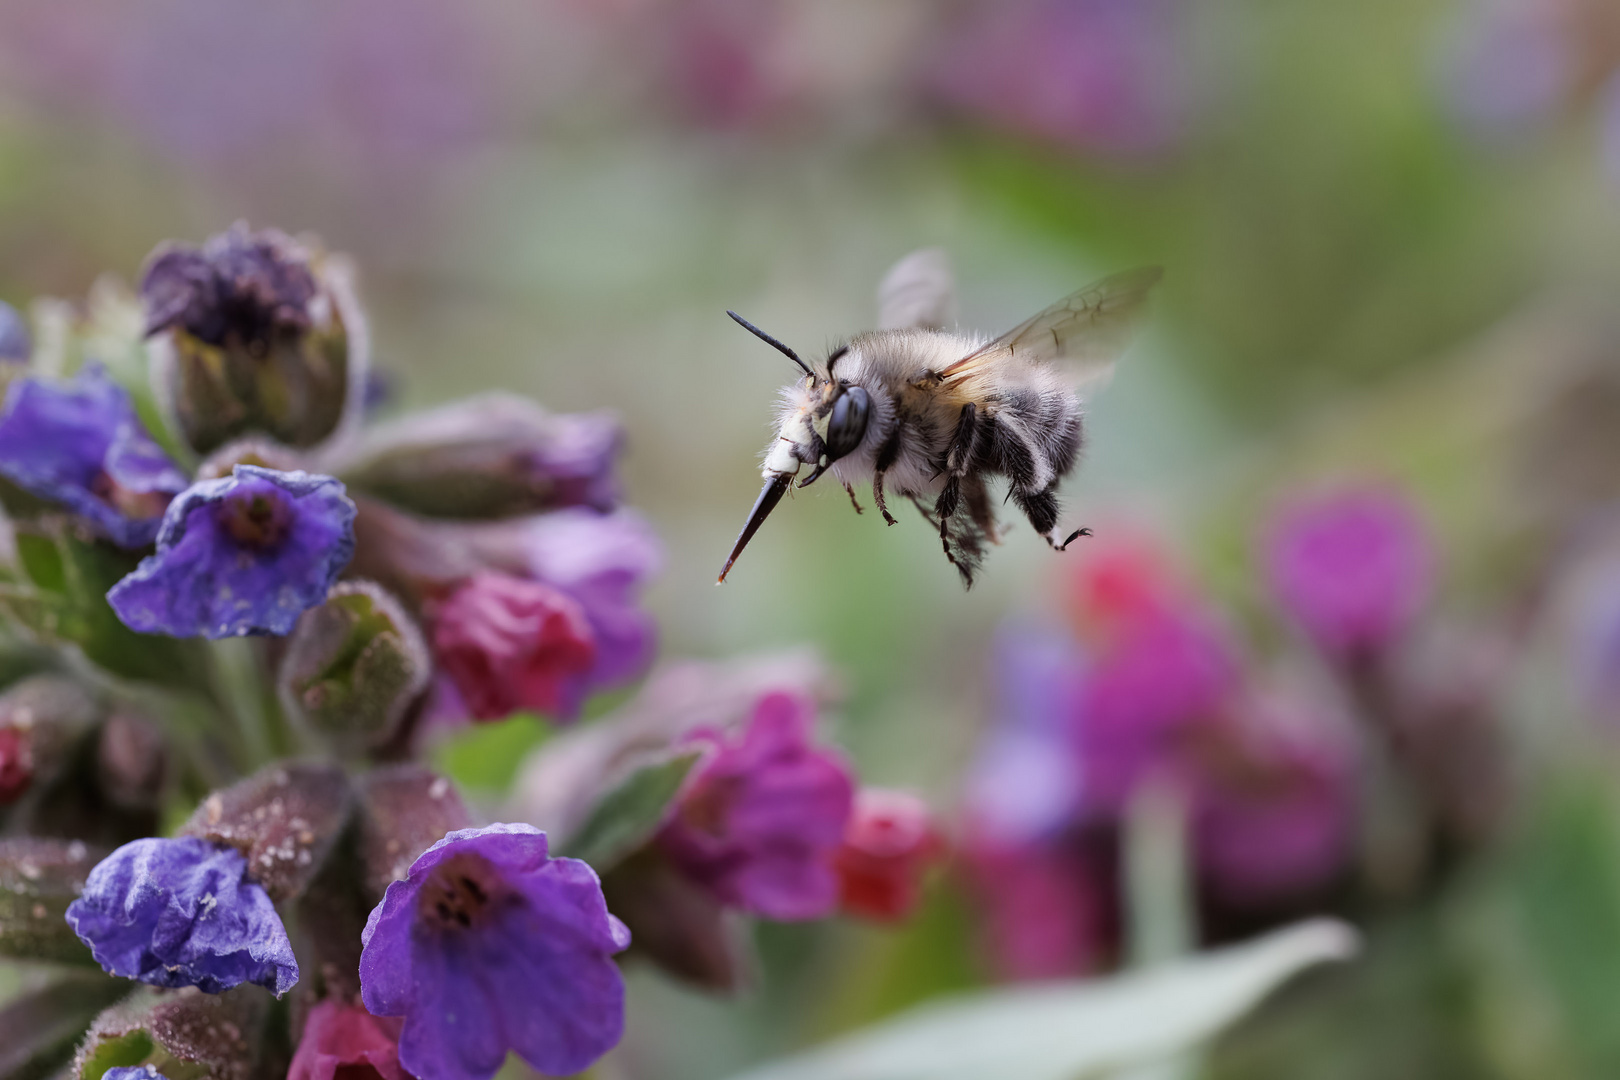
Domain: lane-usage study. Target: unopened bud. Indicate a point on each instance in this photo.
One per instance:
(354, 664)
(180, 1033)
(38, 880)
(496, 455)
(283, 819)
(255, 332)
(405, 810)
(677, 924)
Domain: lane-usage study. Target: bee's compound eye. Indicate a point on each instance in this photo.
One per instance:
(847, 425)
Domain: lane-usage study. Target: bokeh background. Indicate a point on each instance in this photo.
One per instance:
(1392, 238)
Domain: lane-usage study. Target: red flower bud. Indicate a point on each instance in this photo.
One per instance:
(890, 842)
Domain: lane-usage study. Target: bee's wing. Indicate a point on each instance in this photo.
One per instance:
(919, 291)
(1087, 330)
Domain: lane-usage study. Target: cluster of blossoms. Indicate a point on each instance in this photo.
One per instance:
(329, 904)
(1151, 690)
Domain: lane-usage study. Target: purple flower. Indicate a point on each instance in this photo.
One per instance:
(602, 561)
(489, 945)
(1353, 567)
(15, 342)
(241, 284)
(1025, 780)
(1510, 67)
(1275, 807)
(133, 1072)
(81, 445)
(1164, 680)
(760, 822)
(180, 912)
(243, 554)
(1104, 75)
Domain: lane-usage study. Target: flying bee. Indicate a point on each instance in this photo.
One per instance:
(932, 416)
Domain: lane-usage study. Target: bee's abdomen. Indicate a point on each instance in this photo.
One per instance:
(1032, 437)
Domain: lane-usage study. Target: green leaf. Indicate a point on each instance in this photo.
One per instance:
(629, 813)
(39, 1031)
(1062, 1031)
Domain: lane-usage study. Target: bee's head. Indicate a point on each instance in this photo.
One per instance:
(826, 418)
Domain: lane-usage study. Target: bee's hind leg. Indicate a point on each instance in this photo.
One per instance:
(1041, 507)
(853, 501)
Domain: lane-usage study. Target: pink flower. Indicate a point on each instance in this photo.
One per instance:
(890, 842)
(1046, 911)
(1275, 811)
(508, 643)
(346, 1041)
(1353, 567)
(1156, 687)
(761, 821)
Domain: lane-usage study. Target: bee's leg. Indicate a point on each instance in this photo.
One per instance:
(877, 497)
(1041, 507)
(959, 455)
(853, 501)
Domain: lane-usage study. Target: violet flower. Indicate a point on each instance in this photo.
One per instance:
(1352, 567)
(81, 445)
(602, 561)
(181, 912)
(760, 822)
(490, 945)
(1025, 780)
(241, 285)
(343, 1039)
(508, 644)
(133, 1072)
(244, 554)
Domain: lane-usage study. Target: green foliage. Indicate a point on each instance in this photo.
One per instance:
(629, 813)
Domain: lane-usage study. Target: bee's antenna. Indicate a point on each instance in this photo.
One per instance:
(772, 342)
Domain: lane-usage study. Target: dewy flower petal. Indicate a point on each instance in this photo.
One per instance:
(490, 945)
(345, 1039)
(180, 912)
(511, 644)
(244, 554)
(1353, 567)
(81, 445)
(760, 822)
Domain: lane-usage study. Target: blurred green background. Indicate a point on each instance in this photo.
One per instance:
(1386, 225)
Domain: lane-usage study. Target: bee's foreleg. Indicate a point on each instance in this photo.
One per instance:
(877, 497)
(853, 501)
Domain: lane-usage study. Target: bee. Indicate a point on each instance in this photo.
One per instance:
(933, 416)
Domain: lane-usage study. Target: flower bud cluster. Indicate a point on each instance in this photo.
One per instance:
(459, 565)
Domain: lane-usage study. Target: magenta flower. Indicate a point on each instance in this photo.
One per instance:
(342, 1040)
(182, 912)
(489, 945)
(760, 822)
(1275, 808)
(244, 554)
(509, 644)
(1046, 909)
(1352, 567)
(1164, 679)
(81, 445)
